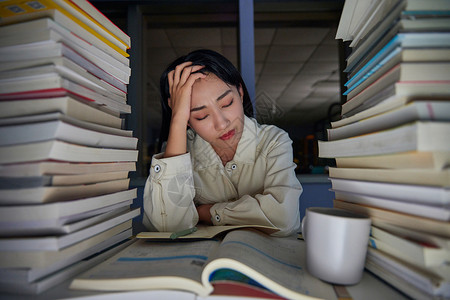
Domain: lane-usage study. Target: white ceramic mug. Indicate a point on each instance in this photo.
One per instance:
(336, 244)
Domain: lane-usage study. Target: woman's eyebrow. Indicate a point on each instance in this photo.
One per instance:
(223, 95)
(198, 108)
(218, 99)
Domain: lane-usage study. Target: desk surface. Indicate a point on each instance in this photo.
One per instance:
(370, 287)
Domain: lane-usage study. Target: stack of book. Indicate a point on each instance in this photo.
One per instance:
(64, 157)
(392, 144)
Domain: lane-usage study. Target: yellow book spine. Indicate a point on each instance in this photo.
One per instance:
(14, 8)
(70, 5)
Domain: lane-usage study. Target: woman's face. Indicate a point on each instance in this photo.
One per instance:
(217, 113)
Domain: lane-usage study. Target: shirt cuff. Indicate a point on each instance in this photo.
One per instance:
(170, 166)
(217, 215)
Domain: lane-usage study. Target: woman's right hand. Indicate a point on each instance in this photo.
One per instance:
(181, 80)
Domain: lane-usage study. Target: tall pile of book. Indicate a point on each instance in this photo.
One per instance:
(392, 144)
(64, 157)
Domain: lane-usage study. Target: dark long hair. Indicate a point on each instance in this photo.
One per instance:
(214, 63)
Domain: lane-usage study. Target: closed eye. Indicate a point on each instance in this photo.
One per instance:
(199, 119)
(229, 104)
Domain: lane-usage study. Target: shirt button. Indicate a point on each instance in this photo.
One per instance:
(217, 218)
(233, 167)
(157, 168)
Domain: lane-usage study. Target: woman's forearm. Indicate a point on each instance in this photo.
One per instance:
(176, 142)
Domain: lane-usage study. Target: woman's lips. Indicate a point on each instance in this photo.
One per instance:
(228, 135)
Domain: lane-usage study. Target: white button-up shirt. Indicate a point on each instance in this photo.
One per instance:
(258, 186)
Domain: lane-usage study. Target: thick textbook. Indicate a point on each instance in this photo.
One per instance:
(49, 168)
(33, 54)
(65, 67)
(417, 110)
(54, 85)
(58, 180)
(98, 57)
(64, 105)
(60, 217)
(65, 13)
(405, 160)
(48, 194)
(417, 136)
(277, 264)
(414, 235)
(387, 86)
(404, 248)
(380, 216)
(47, 259)
(401, 206)
(38, 280)
(55, 243)
(402, 72)
(389, 57)
(430, 195)
(395, 93)
(358, 14)
(432, 177)
(93, 12)
(391, 103)
(63, 131)
(415, 282)
(62, 151)
(57, 116)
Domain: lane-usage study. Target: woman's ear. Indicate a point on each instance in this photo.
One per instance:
(241, 93)
(169, 102)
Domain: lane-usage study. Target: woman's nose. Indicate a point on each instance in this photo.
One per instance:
(220, 121)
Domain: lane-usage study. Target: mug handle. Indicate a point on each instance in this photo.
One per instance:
(303, 228)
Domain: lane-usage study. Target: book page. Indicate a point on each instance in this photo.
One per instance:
(152, 265)
(204, 232)
(276, 263)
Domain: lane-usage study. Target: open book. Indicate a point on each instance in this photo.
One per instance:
(246, 255)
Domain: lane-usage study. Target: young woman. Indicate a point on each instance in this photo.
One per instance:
(219, 166)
